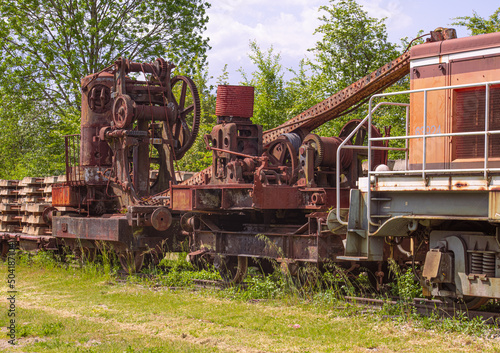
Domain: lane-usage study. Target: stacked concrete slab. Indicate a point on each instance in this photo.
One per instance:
(10, 208)
(22, 203)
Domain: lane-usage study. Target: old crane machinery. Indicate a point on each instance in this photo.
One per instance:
(129, 127)
(289, 194)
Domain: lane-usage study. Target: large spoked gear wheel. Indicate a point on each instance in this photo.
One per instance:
(187, 119)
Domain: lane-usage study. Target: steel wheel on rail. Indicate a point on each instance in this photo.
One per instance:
(4, 244)
(232, 269)
(187, 118)
(131, 261)
(466, 303)
(84, 255)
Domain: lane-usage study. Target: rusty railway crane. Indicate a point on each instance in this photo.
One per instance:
(267, 194)
(288, 194)
(300, 198)
(135, 118)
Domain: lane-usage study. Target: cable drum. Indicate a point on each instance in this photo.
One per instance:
(294, 139)
(331, 145)
(326, 151)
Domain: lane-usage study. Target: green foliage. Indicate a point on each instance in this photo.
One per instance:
(340, 282)
(283, 289)
(479, 25)
(272, 286)
(51, 328)
(52, 45)
(47, 47)
(461, 323)
(40, 259)
(25, 330)
(352, 45)
(304, 90)
(178, 272)
(31, 142)
(177, 263)
(405, 286)
(272, 100)
(45, 329)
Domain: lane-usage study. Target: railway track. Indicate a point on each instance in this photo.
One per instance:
(422, 306)
(428, 307)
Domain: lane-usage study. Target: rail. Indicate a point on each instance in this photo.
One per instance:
(424, 136)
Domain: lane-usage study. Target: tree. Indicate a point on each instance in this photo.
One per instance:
(352, 45)
(478, 25)
(53, 44)
(46, 47)
(272, 102)
(30, 142)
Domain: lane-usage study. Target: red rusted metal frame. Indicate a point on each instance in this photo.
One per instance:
(333, 106)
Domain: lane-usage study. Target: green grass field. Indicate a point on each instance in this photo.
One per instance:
(73, 310)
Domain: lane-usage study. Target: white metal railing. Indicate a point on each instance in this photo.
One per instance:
(424, 136)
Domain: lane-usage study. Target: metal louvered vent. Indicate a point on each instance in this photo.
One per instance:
(469, 116)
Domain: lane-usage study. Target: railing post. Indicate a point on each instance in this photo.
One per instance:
(68, 157)
(424, 157)
(407, 126)
(369, 192)
(486, 128)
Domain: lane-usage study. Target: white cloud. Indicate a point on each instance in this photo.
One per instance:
(287, 26)
(397, 18)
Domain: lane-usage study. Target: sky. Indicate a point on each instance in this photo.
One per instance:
(288, 26)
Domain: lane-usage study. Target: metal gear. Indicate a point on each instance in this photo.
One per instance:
(123, 111)
(315, 142)
(379, 157)
(161, 67)
(185, 134)
(282, 152)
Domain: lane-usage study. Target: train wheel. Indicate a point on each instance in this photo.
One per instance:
(232, 269)
(84, 255)
(4, 249)
(153, 256)
(308, 275)
(467, 303)
(131, 261)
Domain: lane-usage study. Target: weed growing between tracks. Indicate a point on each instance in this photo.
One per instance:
(89, 307)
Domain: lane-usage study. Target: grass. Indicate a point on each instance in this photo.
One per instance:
(71, 309)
